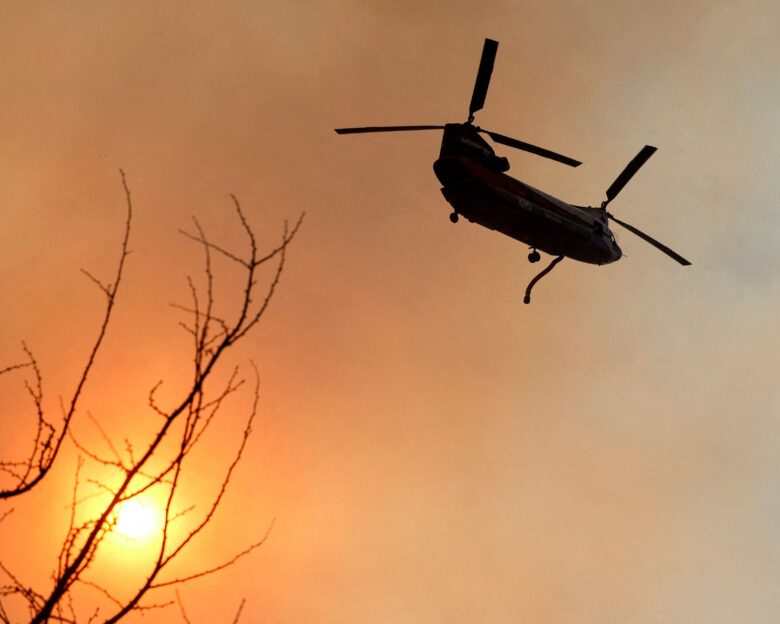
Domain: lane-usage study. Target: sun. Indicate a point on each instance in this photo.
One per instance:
(137, 519)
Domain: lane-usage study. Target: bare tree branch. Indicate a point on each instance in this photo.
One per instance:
(164, 456)
(181, 608)
(240, 609)
(48, 441)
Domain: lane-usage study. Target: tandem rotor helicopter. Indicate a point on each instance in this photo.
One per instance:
(475, 184)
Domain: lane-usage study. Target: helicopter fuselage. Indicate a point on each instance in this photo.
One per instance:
(475, 184)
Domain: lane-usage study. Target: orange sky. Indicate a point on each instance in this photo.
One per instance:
(432, 449)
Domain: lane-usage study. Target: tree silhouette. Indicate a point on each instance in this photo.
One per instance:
(160, 464)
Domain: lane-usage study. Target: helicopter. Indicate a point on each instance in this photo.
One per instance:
(476, 185)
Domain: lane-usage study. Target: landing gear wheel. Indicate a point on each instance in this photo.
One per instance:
(454, 217)
(534, 256)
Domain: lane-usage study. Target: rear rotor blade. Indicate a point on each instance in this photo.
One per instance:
(629, 171)
(533, 149)
(652, 241)
(385, 129)
(483, 77)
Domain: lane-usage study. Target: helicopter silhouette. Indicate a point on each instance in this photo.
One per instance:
(475, 183)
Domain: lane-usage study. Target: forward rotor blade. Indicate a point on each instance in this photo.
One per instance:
(385, 129)
(652, 241)
(533, 149)
(629, 171)
(483, 76)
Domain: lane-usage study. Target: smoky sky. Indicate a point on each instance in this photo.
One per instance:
(430, 448)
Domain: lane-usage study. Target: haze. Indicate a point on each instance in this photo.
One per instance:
(431, 449)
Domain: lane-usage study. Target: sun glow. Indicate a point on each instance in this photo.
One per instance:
(137, 519)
